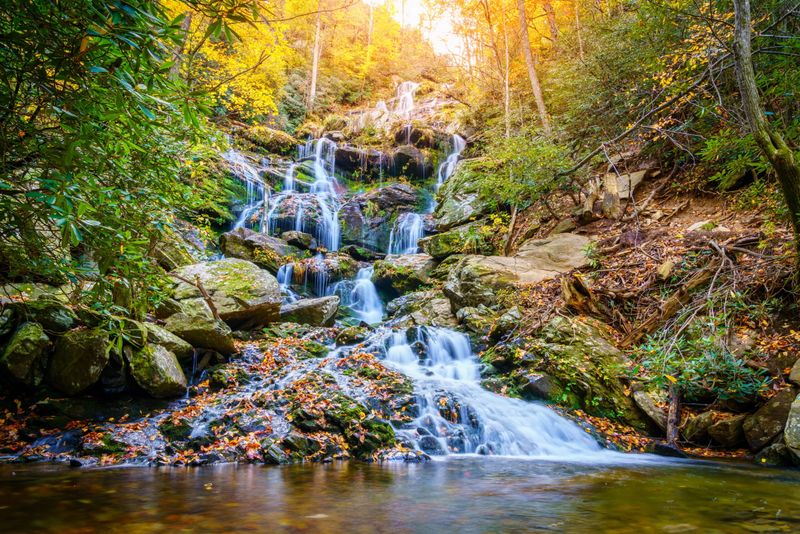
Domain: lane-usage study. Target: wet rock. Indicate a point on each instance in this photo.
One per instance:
(464, 239)
(361, 253)
(24, 360)
(769, 420)
(431, 445)
(408, 160)
(317, 312)
(476, 280)
(729, 432)
(300, 240)
(352, 335)
(665, 449)
(422, 308)
(202, 331)
(775, 455)
(301, 444)
(172, 251)
(646, 403)
(791, 433)
(161, 336)
(114, 378)
(696, 428)
(478, 320)
(365, 161)
(397, 275)
(367, 218)
(416, 135)
(158, 372)
(265, 251)
(245, 295)
(506, 324)
(794, 374)
(78, 360)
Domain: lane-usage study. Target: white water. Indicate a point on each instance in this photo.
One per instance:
(447, 168)
(457, 416)
(257, 194)
(404, 104)
(406, 232)
(360, 296)
(284, 276)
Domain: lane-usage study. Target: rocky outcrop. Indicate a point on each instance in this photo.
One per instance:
(410, 161)
(202, 331)
(422, 308)
(263, 250)
(729, 431)
(397, 275)
(163, 337)
(24, 360)
(54, 316)
(316, 312)
(791, 433)
(244, 295)
(300, 240)
(367, 218)
(78, 360)
(476, 280)
(157, 371)
(364, 161)
(459, 200)
(271, 140)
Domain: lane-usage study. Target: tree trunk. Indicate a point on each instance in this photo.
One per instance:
(551, 19)
(507, 81)
(177, 51)
(673, 416)
(770, 142)
(526, 48)
(312, 90)
(578, 29)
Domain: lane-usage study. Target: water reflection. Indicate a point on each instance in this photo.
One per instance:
(465, 494)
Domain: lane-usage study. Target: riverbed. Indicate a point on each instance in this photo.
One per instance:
(456, 494)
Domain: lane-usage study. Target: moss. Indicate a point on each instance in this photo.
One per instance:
(172, 430)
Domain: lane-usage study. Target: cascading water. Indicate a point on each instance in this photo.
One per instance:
(285, 276)
(457, 416)
(447, 168)
(404, 238)
(361, 296)
(404, 104)
(257, 194)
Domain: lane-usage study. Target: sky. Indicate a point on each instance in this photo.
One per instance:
(438, 31)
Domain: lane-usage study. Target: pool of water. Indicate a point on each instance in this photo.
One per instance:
(459, 494)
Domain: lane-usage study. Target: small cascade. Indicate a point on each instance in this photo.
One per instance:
(361, 296)
(457, 416)
(288, 180)
(447, 168)
(285, 277)
(257, 194)
(404, 238)
(404, 104)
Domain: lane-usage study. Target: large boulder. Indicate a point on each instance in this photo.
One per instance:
(410, 161)
(422, 308)
(791, 433)
(161, 336)
(367, 218)
(319, 272)
(24, 360)
(244, 295)
(466, 238)
(288, 209)
(53, 315)
(157, 371)
(78, 360)
(263, 250)
(476, 280)
(459, 199)
(202, 331)
(316, 312)
(364, 161)
(729, 431)
(172, 251)
(396, 275)
(768, 421)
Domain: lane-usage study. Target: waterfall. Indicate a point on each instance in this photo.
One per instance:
(288, 180)
(406, 232)
(360, 296)
(405, 99)
(257, 194)
(284, 276)
(447, 168)
(457, 416)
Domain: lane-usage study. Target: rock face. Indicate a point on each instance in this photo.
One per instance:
(768, 421)
(157, 371)
(316, 312)
(78, 360)
(459, 200)
(648, 406)
(367, 161)
(271, 140)
(728, 432)
(476, 280)
(24, 360)
(263, 250)
(461, 239)
(410, 161)
(367, 218)
(791, 434)
(202, 331)
(397, 275)
(245, 295)
(52, 315)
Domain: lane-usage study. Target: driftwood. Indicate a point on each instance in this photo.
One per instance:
(580, 298)
(206, 297)
(674, 303)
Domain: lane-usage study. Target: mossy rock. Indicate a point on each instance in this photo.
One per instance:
(398, 275)
(161, 336)
(157, 371)
(79, 359)
(53, 315)
(462, 239)
(24, 360)
(271, 140)
(202, 331)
